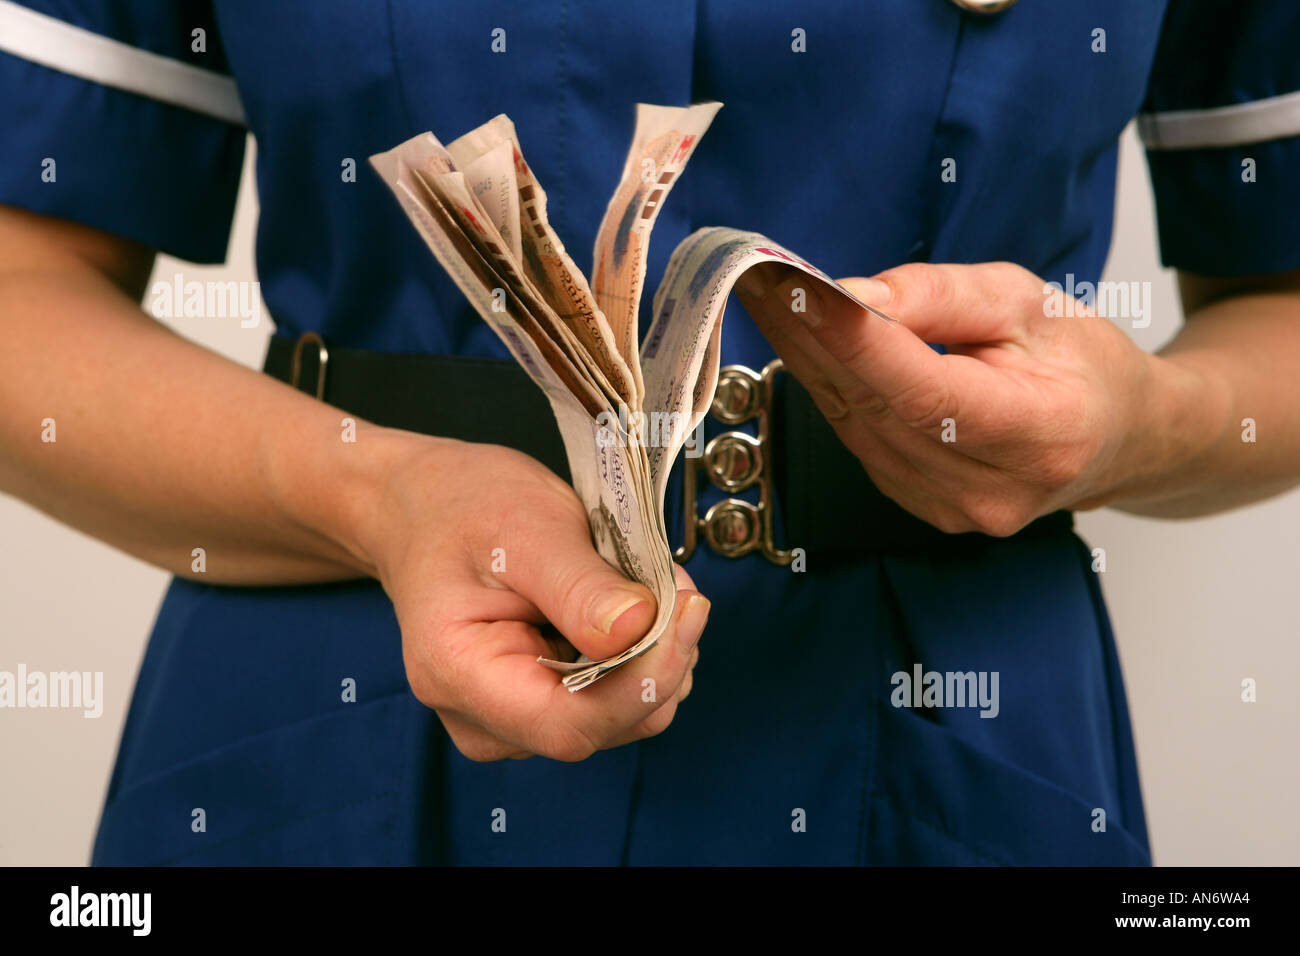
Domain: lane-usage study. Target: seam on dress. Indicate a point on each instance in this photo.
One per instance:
(204, 755)
(634, 798)
(114, 790)
(403, 95)
(403, 732)
(933, 211)
(937, 828)
(1115, 685)
(873, 725)
(873, 748)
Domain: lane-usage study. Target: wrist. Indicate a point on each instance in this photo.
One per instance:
(330, 481)
(1181, 412)
(384, 495)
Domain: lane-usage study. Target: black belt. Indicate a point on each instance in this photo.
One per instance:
(812, 491)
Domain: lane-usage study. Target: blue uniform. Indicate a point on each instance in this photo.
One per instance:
(789, 749)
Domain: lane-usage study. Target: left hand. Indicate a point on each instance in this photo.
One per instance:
(1025, 414)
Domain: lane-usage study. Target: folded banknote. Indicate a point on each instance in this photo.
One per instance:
(623, 412)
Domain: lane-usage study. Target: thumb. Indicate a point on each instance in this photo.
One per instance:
(954, 304)
(554, 566)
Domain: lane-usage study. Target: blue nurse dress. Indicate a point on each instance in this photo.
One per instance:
(789, 750)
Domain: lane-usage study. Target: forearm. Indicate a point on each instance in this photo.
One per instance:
(162, 447)
(1223, 411)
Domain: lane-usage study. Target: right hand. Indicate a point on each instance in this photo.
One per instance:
(471, 636)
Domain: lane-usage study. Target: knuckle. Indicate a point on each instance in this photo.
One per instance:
(830, 402)
(423, 678)
(996, 518)
(440, 666)
(577, 587)
(923, 283)
(950, 522)
(858, 351)
(570, 753)
(1011, 287)
(672, 665)
(567, 743)
(866, 402)
(1067, 452)
(479, 751)
(1063, 467)
(924, 404)
(422, 690)
(968, 502)
(1012, 273)
(835, 413)
(658, 722)
(891, 489)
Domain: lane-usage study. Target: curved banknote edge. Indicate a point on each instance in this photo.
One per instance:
(680, 362)
(624, 416)
(680, 356)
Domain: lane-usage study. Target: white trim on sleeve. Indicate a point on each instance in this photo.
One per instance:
(1274, 118)
(70, 49)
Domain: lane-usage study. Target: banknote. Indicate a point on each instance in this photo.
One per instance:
(544, 259)
(624, 410)
(664, 139)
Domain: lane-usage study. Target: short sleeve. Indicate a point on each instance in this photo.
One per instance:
(122, 116)
(1221, 123)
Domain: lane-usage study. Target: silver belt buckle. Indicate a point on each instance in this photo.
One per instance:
(984, 6)
(735, 461)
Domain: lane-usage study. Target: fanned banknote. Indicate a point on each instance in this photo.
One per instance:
(624, 415)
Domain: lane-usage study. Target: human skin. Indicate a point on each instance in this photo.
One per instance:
(1034, 409)
(163, 446)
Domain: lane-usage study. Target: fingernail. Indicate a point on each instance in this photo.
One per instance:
(873, 292)
(799, 294)
(615, 606)
(829, 400)
(691, 624)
